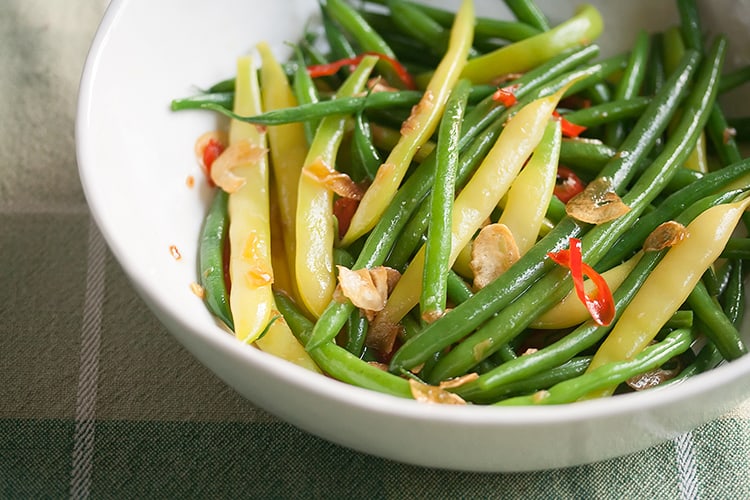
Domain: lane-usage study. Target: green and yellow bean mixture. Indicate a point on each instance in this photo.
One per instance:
(458, 209)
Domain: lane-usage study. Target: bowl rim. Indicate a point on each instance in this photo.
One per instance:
(335, 390)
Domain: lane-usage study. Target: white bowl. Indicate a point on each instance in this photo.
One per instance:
(134, 157)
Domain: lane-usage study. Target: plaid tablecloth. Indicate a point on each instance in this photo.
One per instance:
(98, 400)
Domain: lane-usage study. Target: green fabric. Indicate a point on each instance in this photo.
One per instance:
(98, 400)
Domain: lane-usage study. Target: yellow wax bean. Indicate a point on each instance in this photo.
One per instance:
(315, 225)
(462, 265)
(250, 268)
(281, 342)
(521, 56)
(287, 144)
(532, 190)
(386, 139)
(282, 276)
(526, 202)
(571, 311)
(669, 285)
(417, 129)
(479, 197)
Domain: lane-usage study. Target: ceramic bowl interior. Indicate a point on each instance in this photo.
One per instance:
(135, 156)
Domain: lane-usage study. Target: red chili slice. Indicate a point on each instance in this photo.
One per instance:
(212, 151)
(569, 129)
(343, 209)
(600, 304)
(567, 184)
(506, 95)
(328, 69)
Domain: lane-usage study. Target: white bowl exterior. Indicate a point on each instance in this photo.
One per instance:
(134, 158)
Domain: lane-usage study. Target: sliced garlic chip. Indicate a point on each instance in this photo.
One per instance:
(666, 235)
(368, 289)
(337, 182)
(430, 394)
(237, 154)
(493, 251)
(596, 204)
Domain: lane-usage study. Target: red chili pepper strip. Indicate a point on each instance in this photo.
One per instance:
(600, 304)
(399, 68)
(567, 184)
(211, 151)
(569, 129)
(506, 95)
(328, 69)
(343, 209)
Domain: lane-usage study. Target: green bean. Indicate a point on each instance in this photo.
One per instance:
(655, 73)
(337, 361)
(586, 155)
(368, 39)
(610, 374)
(211, 258)
(383, 236)
(608, 113)
(683, 177)
(630, 85)
(555, 210)
(723, 137)
(486, 27)
(317, 110)
(224, 99)
(589, 333)
(712, 282)
(718, 327)
(306, 93)
(737, 248)
(526, 11)
(680, 319)
(408, 50)
(690, 24)
(717, 127)
(733, 297)
(669, 208)
(412, 325)
(534, 264)
(412, 22)
(338, 43)
(568, 370)
(357, 326)
(222, 86)
(734, 79)
(458, 290)
(438, 247)
(585, 77)
(342, 257)
(599, 93)
(364, 153)
(313, 56)
(708, 358)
